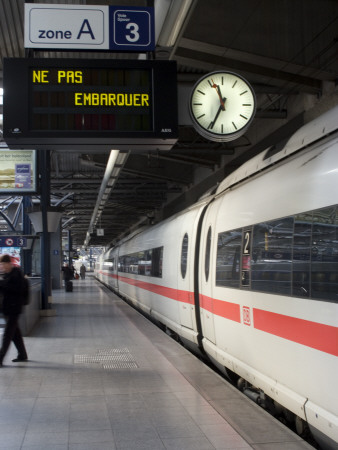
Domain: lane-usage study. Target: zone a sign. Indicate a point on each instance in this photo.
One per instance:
(92, 27)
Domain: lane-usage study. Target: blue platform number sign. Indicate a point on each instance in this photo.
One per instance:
(133, 28)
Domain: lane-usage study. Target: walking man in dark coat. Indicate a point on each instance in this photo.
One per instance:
(12, 287)
(83, 271)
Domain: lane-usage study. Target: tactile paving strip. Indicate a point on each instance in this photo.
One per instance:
(109, 358)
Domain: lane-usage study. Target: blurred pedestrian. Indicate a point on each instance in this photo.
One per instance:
(67, 276)
(12, 288)
(83, 271)
(67, 272)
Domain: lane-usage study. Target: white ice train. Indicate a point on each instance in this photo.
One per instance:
(249, 275)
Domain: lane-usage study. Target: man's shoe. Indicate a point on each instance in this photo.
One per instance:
(19, 359)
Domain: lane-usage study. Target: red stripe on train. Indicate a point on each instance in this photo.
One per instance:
(175, 294)
(221, 308)
(312, 334)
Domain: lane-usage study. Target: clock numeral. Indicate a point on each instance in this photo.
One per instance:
(197, 104)
(243, 92)
(243, 117)
(222, 129)
(211, 84)
(234, 84)
(222, 80)
(200, 116)
(201, 92)
(234, 125)
(246, 104)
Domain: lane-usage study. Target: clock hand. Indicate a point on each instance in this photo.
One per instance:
(218, 90)
(222, 100)
(211, 126)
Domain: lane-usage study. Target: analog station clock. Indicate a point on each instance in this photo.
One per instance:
(222, 106)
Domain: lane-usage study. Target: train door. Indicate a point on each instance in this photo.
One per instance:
(185, 282)
(111, 268)
(206, 284)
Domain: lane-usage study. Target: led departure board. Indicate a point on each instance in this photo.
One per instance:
(64, 99)
(61, 104)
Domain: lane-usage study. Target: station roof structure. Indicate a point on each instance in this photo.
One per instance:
(287, 50)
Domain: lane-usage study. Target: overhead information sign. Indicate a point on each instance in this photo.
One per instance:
(62, 103)
(94, 27)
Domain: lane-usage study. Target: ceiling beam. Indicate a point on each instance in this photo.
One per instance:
(151, 175)
(255, 58)
(207, 60)
(76, 180)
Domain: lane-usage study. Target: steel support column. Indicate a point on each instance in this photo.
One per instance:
(27, 253)
(45, 241)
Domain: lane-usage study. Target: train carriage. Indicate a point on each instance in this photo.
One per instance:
(270, 301)
(156, 272)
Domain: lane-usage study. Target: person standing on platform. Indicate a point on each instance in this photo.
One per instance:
(67, 274)
(83, 272)
(12, 288)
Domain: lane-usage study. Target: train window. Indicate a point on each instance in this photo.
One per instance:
(291, 256)
(145, 262)
(142, 262)
(301, 255)
(207, 255)
(156, 262)
(228, 258)
(108, 264)
(111, 268)
(324, 254)
(184, 255)
(271, 256)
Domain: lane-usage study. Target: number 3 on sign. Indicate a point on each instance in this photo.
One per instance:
(133, 28)
(133, 35)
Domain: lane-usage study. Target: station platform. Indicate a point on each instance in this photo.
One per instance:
(100, 376)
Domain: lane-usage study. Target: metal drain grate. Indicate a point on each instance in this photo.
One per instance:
(109, 358)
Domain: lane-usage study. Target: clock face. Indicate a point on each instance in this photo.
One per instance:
(222, 106)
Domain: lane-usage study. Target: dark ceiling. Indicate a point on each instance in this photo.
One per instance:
(286, 49)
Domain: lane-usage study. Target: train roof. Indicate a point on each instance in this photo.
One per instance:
(308, 134)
